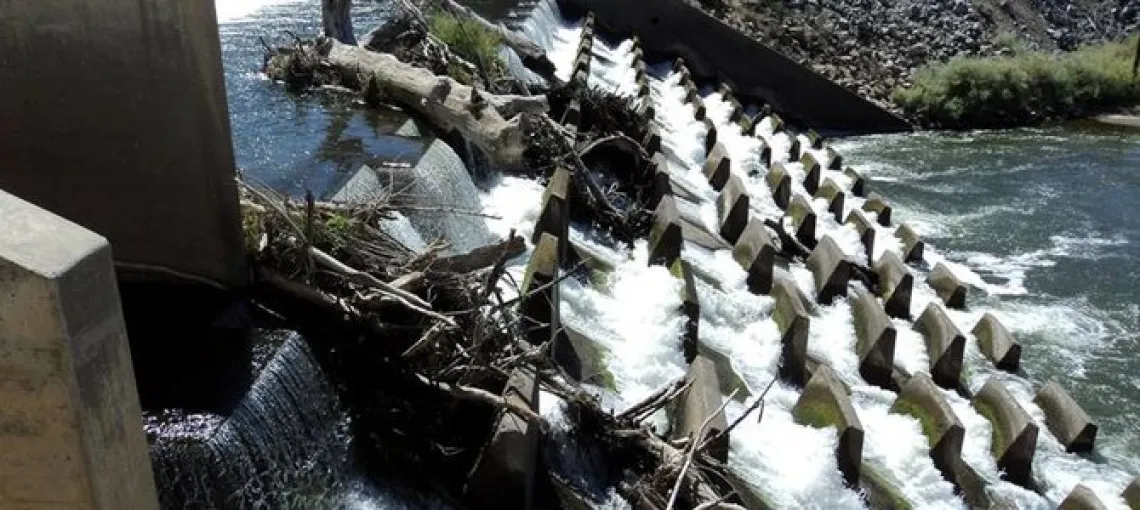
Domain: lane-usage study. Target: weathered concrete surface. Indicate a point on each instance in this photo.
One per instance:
(834, 195)
(913, 247)
(717, 165)
(793, 322)
(944, 432)
(504, 474)
(756, 253)
(732, 209)
(108, 108)
(780, 183)
(1081, 498)
(895, 284)
(710, 135)
(70, 426)
(950, 289)
(879, 491)
(945, 345)
(803, 219)
(662, 182)
(858, 221)
(830, 269)
(698, 403)
(825, 403)
(874, 339)
(1131, 494)
(555, 216)
(540, 310)
(996, 343)
(878, 205)
(858, 183)
(665, 238)
(812, 171)
(1014, 437)
(690, 307)
(1070, 423)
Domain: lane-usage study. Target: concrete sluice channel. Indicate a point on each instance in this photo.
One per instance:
(891, 390)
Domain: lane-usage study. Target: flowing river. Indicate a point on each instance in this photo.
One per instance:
(1040, 222)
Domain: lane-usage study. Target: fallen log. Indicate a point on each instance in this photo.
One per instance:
(446, 103)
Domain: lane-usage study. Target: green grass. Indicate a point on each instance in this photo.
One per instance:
(1022, 89)
(470, 40)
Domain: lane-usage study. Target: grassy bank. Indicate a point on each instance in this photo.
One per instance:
(1022, 89)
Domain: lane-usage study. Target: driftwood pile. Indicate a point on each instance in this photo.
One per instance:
(422, 344)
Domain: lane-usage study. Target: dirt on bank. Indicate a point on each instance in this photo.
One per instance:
(873, 46)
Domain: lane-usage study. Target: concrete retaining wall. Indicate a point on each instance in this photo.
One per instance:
(70, 426)
(115, 117)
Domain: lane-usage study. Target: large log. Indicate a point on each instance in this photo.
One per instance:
(446, 103)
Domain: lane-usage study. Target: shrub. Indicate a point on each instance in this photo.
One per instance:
(1025, 88)
(470, 40)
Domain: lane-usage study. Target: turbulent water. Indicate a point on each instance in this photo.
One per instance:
(1040, 222)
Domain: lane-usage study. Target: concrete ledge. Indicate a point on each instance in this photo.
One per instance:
(812, 171)
(803, 219)
(997, 344)
(690, 307)
(504, 474)
(756, 253)
(913, 247)
(732, 209)
(950, 289)
(540, 310)
(830, 270)
(698, 403)
(878, 205)
(1014, 438)
(1081, 498)
(895, 284)
(665, 238)
(921, 399)
(944, 344)
(858, 183)
(824, 403)
(717, 166)
(780, 183)
(834, 195)
(793, 322)
(1069, 423)
(858, 221)
(70, 424)
(555, 216)
(1131, 494)
(875, 339)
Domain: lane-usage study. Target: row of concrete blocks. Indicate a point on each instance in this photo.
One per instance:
(581, 71)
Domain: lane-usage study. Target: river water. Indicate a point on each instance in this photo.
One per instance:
(1041, 223)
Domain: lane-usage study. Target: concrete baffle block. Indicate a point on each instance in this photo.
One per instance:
(645, 111)
(698, 404)
(874, 339)
(652, 140)
(690, 307)
(921, 399)
(1014, 437)
(858, 221)
(815, 138)
(895, 284)
(555, 216)
(945, 345)
(780, 183)
(582, 62)
(765, 153)
(70, 427)
(812, 171)
(858, 184)
(1131, 494)
(997, 344)
(834, 195)
(504, 474)
(710, 135)
(794, 151)
(913, 247)
(802, 214)
(825, 403)
(1081, 498)
(540, 310)
(834, 159)
(114, 116)
(949, 288)
(572, 116)
(755, 251)
(717, 166)
(777, 123)
(878, 205)
(830, 269)
(1066, 419)
(662, 183)
(665, 238)
(793, 321)
(585, 44)
(732, 209)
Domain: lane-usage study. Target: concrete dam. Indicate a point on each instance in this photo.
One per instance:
(884, 385)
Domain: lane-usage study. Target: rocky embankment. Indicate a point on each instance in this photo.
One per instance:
(873, 46)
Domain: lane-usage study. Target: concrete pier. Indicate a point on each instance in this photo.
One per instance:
(70, 426)
(115, 118)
